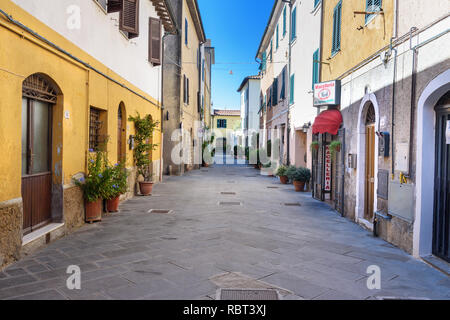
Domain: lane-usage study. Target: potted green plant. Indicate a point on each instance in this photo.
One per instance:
(145, 128)
(281, 173)
(315, 145)
(290, 172)
(300, 177)
(117, 185)
(94, 186)
(335, 146)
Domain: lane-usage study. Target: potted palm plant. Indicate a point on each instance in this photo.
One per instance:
(300, 177)
(117, 185)
(281, 173)
(145, 128)
(94, 186)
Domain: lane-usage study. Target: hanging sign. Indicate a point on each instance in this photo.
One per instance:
(447, 132)
(327, 93)
(327, 186)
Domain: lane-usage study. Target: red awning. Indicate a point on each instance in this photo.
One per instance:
(328, 121)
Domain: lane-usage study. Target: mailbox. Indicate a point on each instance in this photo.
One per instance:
(383, 145)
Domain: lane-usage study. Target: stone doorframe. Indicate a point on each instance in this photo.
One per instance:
(361, 158)
(425, 164)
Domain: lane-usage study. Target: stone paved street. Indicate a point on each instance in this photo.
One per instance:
(306, 251)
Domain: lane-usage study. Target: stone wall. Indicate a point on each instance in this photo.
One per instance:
(11, 220)
(73, 208)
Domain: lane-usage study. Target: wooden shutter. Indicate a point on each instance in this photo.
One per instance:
(336, 45)
(154, 37)
(315, 68)
(184, 88)
(129, 18)
(114, 6)
(275, 92)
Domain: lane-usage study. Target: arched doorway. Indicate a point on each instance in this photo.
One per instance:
(39, 97)
(427, 148)
(369, 182)
(441, 212)
(367, 164)
(121, 133)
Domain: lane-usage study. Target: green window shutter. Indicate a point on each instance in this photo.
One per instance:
(278, 36)
(315, 68)
(294, 24)
(275, 92)
(264, 62)
(372, 6)
(291, 91)
(186, 26)
(284, 21)
(336, 41)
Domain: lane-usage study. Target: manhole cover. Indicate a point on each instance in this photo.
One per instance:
(247, 294)
(294, 204)
(228, 193)
(272, 187)
(160, 211)
(224, 203)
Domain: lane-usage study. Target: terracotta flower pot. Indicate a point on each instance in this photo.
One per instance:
(338, 148)
(284, 179)
(299, 186)
(205, 164)
(93, 211)
(146, 187)
(112, 205)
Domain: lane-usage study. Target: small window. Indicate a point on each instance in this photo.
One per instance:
(97, 129)
(337, 17)
(221, 123)
(372, 6)
(102, 4)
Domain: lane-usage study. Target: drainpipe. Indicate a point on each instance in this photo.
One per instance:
(393, 107)
(413, 103)
(288, 85)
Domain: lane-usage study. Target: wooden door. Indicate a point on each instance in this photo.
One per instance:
(441, 225)
(120, 130)
(369, 172)
(36, 163)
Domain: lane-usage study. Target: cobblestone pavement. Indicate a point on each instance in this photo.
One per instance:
(209, 242)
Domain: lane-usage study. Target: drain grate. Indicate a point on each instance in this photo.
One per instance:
(160, 211)
(272, 187)
(247, 294)
(293, 204)
(225, 203)
(229, 193)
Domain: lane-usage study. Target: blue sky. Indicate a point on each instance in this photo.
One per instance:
(235, 28)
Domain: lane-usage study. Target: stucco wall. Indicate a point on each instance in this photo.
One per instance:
(355, 45)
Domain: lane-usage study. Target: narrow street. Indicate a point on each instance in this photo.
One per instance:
(228, 227)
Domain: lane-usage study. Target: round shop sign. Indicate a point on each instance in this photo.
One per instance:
(324, 94)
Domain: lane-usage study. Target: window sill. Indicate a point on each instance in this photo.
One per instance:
(101, 8)
(293, 41)
(371, 19)
(335, 54)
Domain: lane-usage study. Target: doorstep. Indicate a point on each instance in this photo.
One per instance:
(438, 263)
(42, 236)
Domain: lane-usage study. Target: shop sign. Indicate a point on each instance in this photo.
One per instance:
(327, 93)
(327, 186)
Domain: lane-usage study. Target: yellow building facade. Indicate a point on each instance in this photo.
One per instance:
(359, 38)
(225, 122)
(74, 84)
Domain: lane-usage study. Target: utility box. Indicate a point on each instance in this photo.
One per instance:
(383, 146)
(402, 157)
(401, 200)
